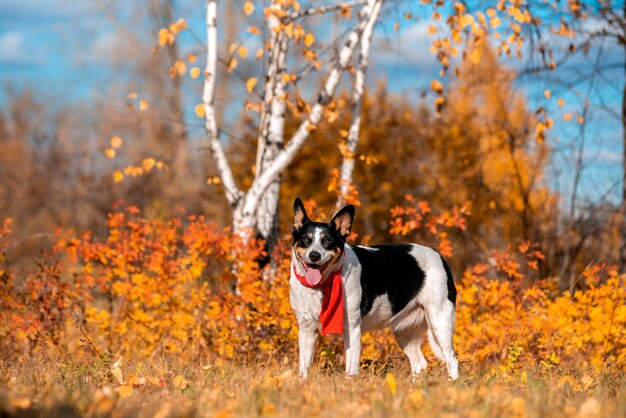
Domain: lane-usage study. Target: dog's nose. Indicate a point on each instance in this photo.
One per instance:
(314, 256)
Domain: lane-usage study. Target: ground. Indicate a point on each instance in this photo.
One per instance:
(272, 388)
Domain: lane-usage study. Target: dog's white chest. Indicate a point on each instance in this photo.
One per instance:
(306, 303)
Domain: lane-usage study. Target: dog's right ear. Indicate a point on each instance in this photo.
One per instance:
(299, 214)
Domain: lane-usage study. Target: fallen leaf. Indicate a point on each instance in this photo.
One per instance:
(180, 382)
(125, 391)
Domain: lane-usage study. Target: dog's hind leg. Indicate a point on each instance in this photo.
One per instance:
(410, 339)
(440, 320)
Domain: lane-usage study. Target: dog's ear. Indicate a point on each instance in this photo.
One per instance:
(342, 221)
(299, 214)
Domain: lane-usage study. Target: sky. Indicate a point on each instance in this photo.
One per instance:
(62, 48)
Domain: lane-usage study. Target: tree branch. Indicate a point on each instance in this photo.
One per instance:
(282, 160)
(233, 194)
(347, 166)
(324, 9)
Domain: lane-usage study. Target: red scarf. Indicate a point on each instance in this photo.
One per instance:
(331, 316)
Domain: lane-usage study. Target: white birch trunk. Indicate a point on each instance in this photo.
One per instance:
(233, 194)
(347, 166)
(271, 173)
(255, 211)
(271, 132)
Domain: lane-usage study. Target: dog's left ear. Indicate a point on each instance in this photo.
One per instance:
(342, 221)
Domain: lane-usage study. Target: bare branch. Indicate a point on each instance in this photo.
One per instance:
(233, 194)
(325, 9)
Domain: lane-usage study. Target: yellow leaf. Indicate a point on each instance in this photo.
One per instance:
(116, 372)
(251, 83)
(118, 176)
(164, 36)
(191, 58)
(181, 23)
(180, 382)
(432, 29)
(143, 104)
(391, 383)
(199, 109)
(124, 391)
(181, 67)
(289, 30)
(194, 72)
(148, 163)
(253, 30)
(495, 22)
(567, 117)
(243, 51)
(132, 95)
(116, 142)
(547, 94)
(560, 102)
(232, 64)
(259, 53)
(110, 153)
(248, 8)
(436, 86)
(309, 39)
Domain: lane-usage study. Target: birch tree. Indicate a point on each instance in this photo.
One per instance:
(255, 210)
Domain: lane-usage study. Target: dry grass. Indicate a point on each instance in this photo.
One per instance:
(164, 389)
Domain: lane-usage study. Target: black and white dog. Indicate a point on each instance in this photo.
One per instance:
(350, 289)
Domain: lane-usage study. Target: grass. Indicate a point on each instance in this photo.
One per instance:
(161, 388)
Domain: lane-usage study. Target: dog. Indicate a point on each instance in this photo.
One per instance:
(349, 289)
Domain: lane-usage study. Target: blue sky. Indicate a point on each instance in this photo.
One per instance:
(62, 47)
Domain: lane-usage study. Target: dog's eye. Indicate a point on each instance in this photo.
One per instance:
(327, 242)
(305, 241)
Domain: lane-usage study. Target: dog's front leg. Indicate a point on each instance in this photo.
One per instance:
(307, 337)
(352, 342)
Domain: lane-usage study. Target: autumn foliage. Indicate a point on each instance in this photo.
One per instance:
(188, 288)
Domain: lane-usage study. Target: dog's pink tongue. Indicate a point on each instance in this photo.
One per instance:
(313, 276)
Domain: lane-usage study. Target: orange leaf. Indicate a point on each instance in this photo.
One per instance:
(110, 153)
(194, 72)
(143, 104)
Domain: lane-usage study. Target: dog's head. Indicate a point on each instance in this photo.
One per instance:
(317, 245)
